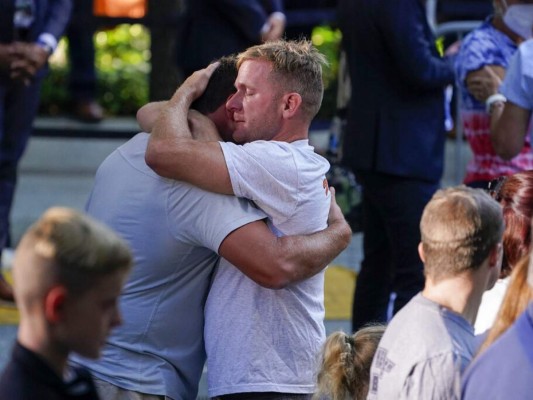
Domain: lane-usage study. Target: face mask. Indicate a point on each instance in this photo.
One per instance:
(519, 19)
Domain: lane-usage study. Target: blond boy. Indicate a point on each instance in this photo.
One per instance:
(68, 273)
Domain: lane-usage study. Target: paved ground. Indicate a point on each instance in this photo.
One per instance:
(60, 171)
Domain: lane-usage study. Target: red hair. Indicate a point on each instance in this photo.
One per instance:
(515, 195)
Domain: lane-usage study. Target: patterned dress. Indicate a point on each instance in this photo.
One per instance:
(485, 46)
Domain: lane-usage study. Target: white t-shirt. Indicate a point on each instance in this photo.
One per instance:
(490, 305)
(257, 339)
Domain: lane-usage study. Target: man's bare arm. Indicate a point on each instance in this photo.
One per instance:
(275, 262)
(202, 128)
(508, 130)
(173, 153)
(147, 115)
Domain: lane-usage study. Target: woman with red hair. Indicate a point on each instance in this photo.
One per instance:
(515, 195)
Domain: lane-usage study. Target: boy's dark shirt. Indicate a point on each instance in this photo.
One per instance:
(28, 377)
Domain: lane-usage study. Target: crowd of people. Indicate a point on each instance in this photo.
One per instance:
(206, 236)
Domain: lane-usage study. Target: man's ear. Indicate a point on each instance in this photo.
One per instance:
(291, 104)
(496, 255)
(54, 303)
(421, 252)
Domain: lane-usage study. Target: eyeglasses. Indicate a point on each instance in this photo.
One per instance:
(495, 186)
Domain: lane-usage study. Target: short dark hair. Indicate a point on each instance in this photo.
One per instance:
(220, 86)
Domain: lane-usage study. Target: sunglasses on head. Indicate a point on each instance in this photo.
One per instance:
(495, 186)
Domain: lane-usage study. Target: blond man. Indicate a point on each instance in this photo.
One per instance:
(261, 343)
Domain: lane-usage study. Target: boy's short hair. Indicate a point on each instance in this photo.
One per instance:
(221, 85)
(296, 67)
(459, 227)
(76, 249)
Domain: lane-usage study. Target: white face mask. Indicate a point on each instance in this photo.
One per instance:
(519, 19)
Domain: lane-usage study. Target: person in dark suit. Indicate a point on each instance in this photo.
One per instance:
(29, 32)
(210, 29)
(394, 142)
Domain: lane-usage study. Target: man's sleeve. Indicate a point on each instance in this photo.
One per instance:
(273, 6)
(248, 16)
(412, 48)
(436, 378)
(209, 217)
(57, 17)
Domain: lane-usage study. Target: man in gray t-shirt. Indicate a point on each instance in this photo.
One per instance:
(428, 343)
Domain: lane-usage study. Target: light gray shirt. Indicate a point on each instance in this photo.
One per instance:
(422, 354)
(174, 230)
(258, 339)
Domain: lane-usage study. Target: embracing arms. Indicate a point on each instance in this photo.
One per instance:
(173, 153)
(275, 262)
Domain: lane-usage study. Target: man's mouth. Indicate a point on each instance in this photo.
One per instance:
(237, 118)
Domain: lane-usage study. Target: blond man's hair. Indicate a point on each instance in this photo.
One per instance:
(296, 67)
(69, 248)
(459, 228)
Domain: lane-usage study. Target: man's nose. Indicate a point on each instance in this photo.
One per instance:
(233, 102)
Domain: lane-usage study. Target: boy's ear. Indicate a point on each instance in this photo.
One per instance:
(54, 303)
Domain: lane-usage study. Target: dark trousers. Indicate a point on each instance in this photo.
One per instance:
(392, 207)
(18, 106)
(80, 34)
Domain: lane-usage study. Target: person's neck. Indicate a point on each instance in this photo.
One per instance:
(292, 132)
(498, 23)
(34, 337)
(459, 294)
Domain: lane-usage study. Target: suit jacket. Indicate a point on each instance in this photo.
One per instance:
(51, 16)
(396, 113)
(210, 29)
